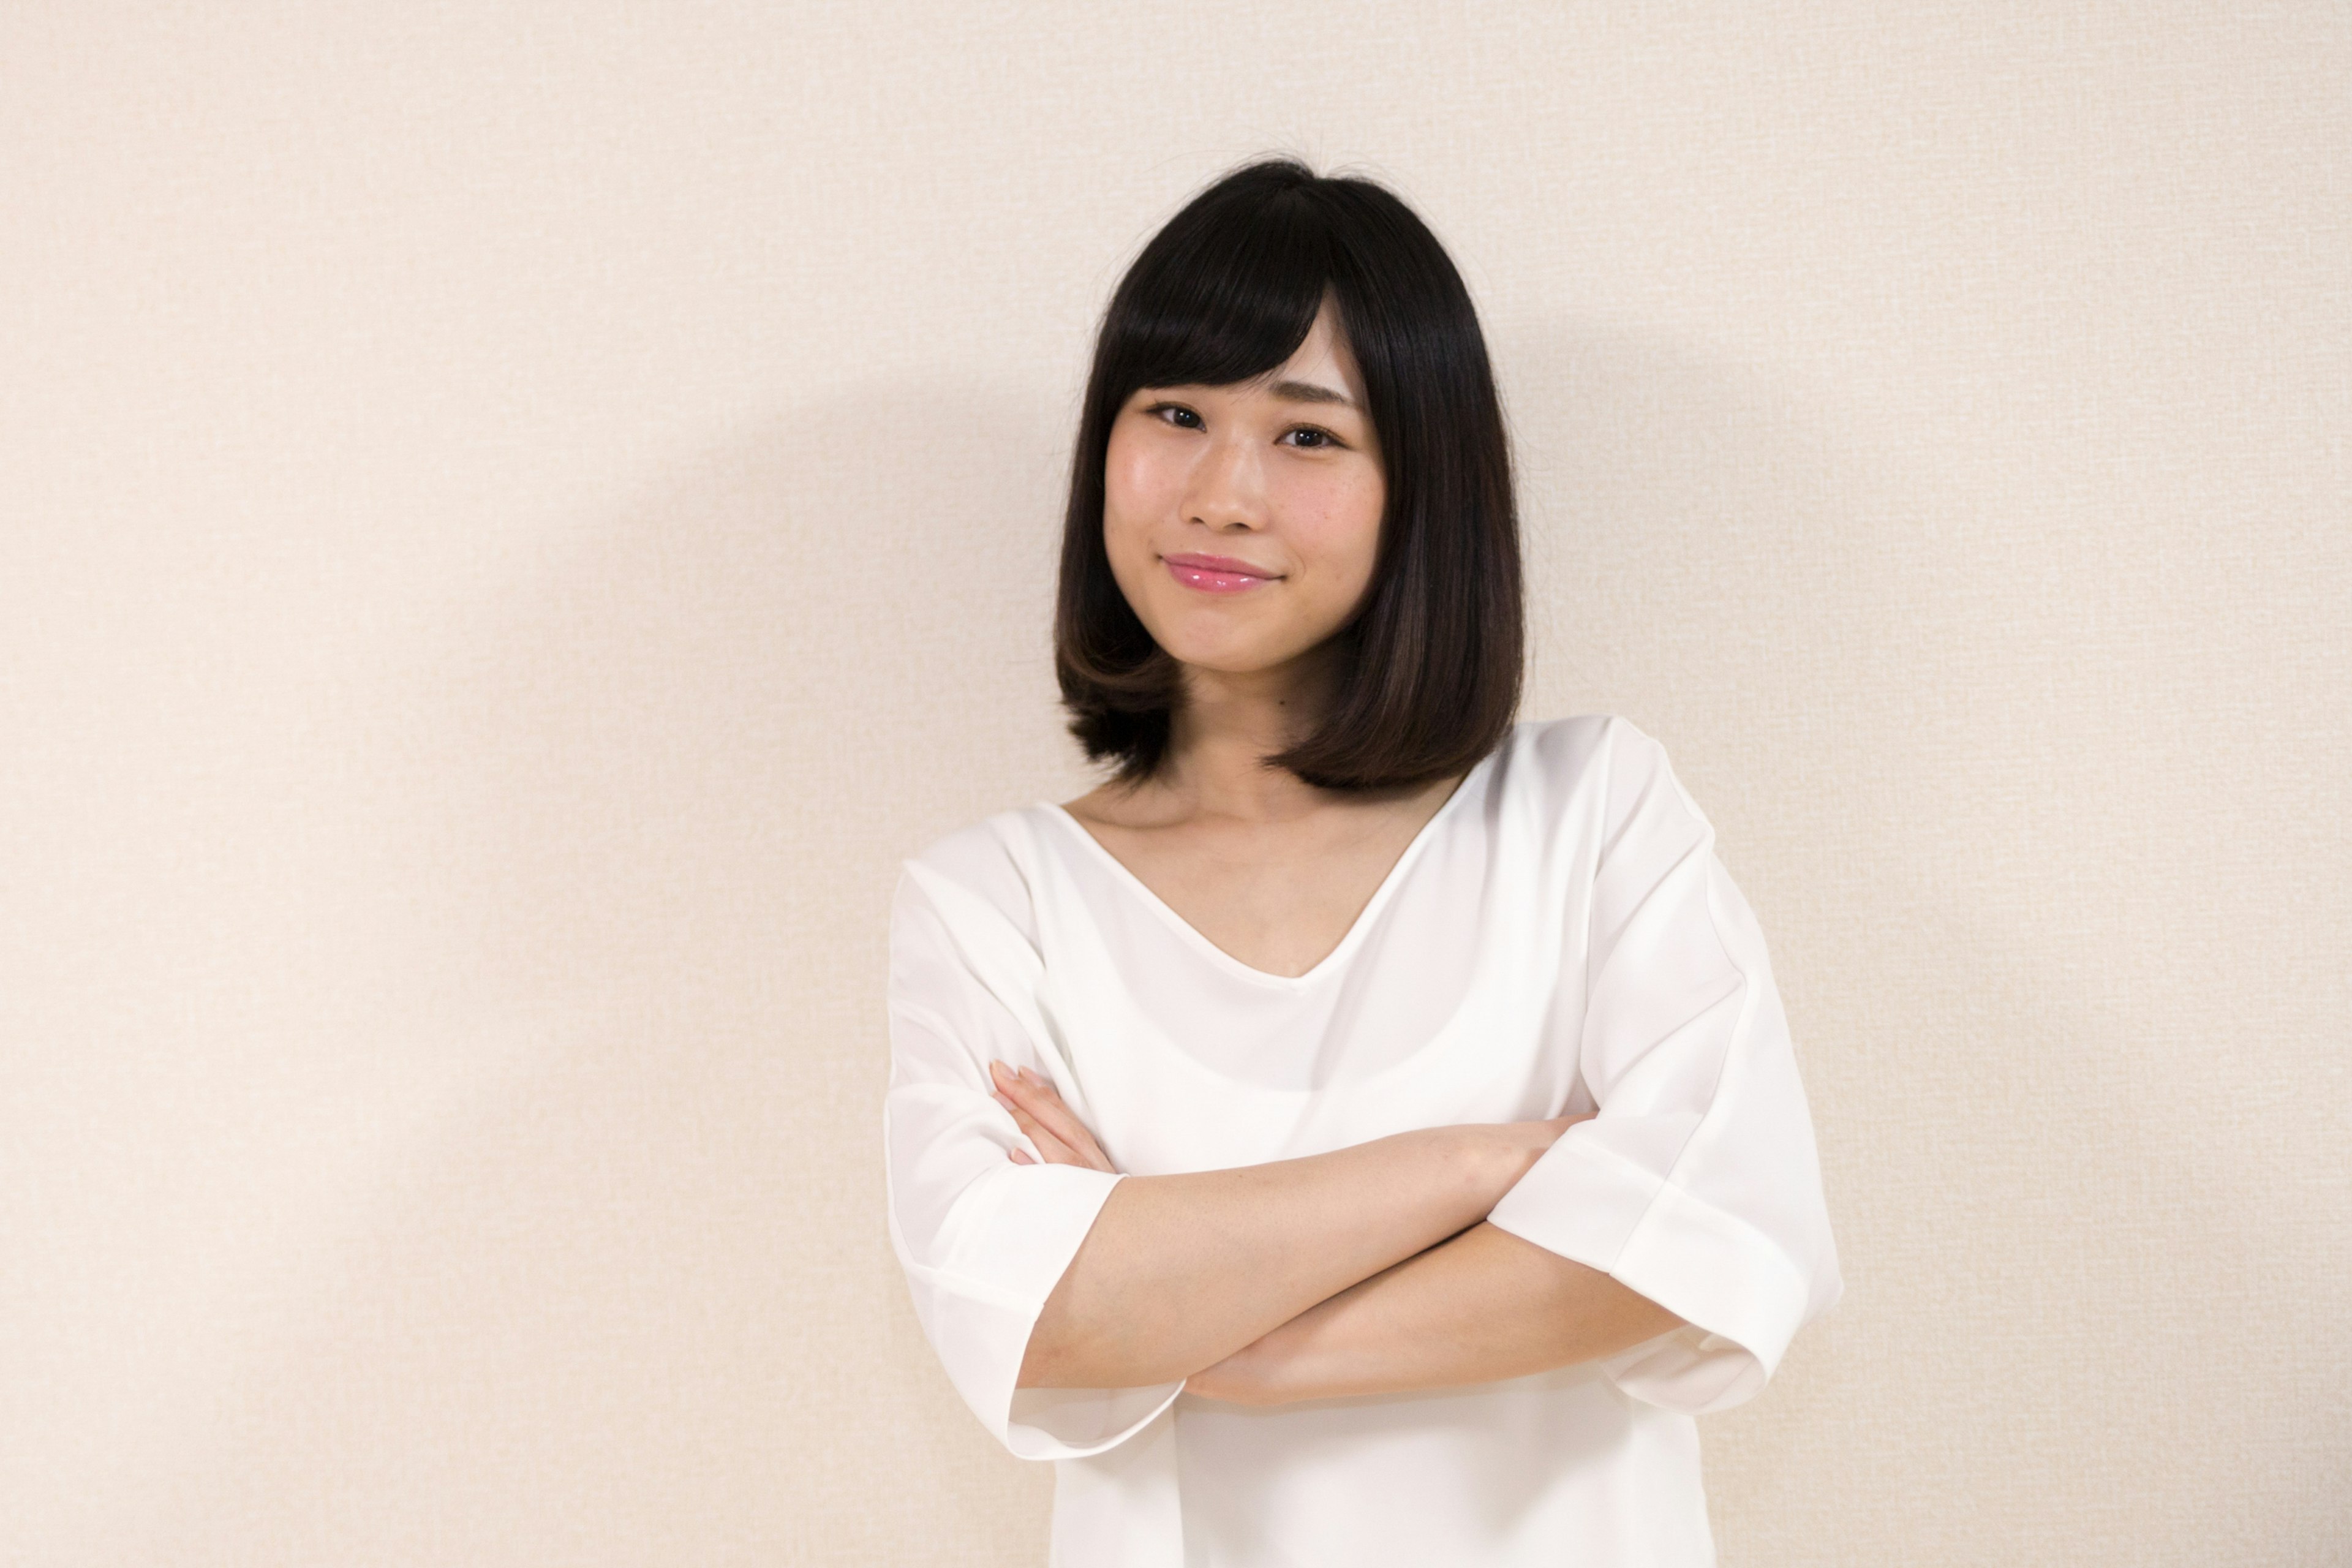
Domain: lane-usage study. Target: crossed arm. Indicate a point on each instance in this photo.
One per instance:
(1365, 1270)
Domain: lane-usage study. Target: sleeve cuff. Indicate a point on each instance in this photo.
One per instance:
(1741, 1297)
(1015, 1231)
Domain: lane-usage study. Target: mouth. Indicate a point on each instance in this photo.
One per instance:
(1218, 573)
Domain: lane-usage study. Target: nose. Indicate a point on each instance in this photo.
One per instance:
(1227, 488)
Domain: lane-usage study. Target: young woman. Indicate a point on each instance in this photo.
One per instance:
(1364, 1130)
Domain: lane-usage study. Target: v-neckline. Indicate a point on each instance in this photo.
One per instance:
(1191, 934)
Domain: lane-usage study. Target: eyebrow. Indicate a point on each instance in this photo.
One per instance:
(1307, 391)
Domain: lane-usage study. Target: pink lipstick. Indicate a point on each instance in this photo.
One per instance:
(1217, 573)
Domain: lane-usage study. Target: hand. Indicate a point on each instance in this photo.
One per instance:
(1059, 1135)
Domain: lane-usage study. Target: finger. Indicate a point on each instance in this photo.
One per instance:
(1054, 1151)
(1045, 1102)
(1024, 1086)
(1032, 1093)
(1035, 1096)
(1071, 1133)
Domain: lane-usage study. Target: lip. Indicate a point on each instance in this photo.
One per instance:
(1217, 573)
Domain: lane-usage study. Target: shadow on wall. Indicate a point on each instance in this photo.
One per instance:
(624, 1294)
(628, 1297)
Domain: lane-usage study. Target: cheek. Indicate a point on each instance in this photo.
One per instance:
(1334, 522)
(1136, 481)
(1132, 480)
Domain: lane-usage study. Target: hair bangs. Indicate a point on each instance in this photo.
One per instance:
(1225, 297)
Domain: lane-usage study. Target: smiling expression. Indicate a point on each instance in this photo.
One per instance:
(1242, 521)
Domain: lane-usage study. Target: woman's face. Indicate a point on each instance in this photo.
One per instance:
(1242, 521)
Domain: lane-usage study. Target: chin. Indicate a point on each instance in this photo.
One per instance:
(1224, 657)
(1206, 649)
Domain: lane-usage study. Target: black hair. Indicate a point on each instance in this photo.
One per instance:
(1225, 294)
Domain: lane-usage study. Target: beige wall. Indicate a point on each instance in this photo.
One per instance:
(516, 516)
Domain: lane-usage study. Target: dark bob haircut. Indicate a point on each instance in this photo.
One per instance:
(1225, 294)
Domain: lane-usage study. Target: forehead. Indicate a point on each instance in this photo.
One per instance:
(1325, 351)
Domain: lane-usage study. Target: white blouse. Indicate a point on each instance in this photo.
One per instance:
(1559, 937)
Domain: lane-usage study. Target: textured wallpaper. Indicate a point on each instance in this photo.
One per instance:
(517, 517)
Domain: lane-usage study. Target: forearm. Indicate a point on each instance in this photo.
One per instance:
(1179, 1272)
(1481, 1308)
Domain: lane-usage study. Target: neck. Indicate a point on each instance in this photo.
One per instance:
(1228, 722)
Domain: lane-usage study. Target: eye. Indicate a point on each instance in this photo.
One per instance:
(1174, 414)
(1312, 437)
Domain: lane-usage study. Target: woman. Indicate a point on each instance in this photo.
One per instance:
(1364, 1130)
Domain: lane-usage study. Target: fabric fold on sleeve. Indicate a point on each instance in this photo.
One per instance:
(982, 1240)
(1697, 1184)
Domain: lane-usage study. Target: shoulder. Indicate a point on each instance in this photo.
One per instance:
(1599, 771)
(978, 871)
(1582, 753)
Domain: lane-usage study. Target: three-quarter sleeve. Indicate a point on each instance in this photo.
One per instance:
(983, 1240)
(1697, 1184)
